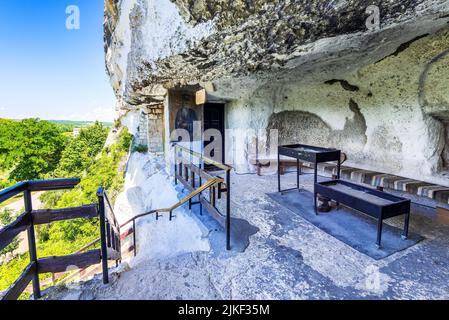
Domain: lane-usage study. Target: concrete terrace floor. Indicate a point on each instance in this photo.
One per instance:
(288, 258)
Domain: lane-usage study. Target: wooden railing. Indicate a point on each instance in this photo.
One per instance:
(190, 170)
(110, 234)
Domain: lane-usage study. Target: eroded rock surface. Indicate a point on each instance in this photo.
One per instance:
(183, 41)
(379, 93)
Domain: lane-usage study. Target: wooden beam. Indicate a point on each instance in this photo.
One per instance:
(203, 174)
(13, 191)
(60, 264)
(126, 234)
(130, 249)
(207, 160)
(58, 184)
(212, 211)
(49, 216)
(14, 292)
(8, 233)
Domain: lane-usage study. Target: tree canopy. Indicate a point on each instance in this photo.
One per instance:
(29, 148)
(81, 151)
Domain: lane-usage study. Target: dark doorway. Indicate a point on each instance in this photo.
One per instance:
(214, 119)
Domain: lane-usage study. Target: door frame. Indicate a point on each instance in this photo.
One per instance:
(223, 125)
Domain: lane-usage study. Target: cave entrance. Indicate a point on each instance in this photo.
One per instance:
(213, 118)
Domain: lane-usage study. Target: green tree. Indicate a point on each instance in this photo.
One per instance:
(102, 172)
(81, 151)
(29, 148)
(7, 217)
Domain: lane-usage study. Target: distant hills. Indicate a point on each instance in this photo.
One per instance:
(79, 124)
(69, 125)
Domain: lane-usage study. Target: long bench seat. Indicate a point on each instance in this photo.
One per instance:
(388, 181)
(373, 178)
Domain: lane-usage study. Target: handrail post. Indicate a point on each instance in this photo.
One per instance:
(32, 245)
(104, 250)
(134, 237)
(228, 210)
(175, 161)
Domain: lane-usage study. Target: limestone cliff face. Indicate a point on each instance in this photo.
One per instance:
(174, 42)
(317, 70)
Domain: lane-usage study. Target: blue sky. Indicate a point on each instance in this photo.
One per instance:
(50, 72)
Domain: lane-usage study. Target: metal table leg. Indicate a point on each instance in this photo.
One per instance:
(379, 232)
(339, 169)
(279, 173)
(338, 178)
(406, 224)
(297, 173)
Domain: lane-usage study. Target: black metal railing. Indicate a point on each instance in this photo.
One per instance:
(109, 232)
(132, 231)
(189, 169)
(110, 240)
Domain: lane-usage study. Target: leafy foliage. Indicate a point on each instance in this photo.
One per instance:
(7, 217)
(29, 148)
(140, 148)
(81, 151)
(102, 172)
(83, 157)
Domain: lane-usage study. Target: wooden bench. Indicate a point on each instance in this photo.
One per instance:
(285, 163)
(377, 204)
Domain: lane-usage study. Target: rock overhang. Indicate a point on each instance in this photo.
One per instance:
(236, 44)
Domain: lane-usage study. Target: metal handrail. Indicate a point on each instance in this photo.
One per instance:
(198, 191)
(208, 184)
(112, 213)
(204, 159)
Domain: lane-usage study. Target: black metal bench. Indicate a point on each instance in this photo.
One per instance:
(377, 204)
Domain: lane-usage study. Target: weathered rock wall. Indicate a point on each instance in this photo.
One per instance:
(309, 68)
(389, 116)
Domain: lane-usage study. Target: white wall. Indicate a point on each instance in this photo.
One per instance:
(399, 135)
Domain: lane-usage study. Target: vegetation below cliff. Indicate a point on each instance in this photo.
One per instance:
(83, 156)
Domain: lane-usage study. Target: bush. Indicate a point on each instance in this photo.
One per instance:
(140, 148)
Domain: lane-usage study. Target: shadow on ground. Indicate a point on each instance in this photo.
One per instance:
(353, 228)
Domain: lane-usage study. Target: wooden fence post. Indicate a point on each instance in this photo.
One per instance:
(32, 245)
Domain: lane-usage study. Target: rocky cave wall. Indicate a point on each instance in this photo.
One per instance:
(384, 116)
(308, 68)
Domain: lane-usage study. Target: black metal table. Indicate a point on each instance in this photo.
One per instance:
(377, 204)
(310, 154)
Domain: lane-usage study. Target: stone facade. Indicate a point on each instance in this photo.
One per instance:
(156, 129)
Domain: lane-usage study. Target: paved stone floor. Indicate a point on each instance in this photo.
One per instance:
(287, 258)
